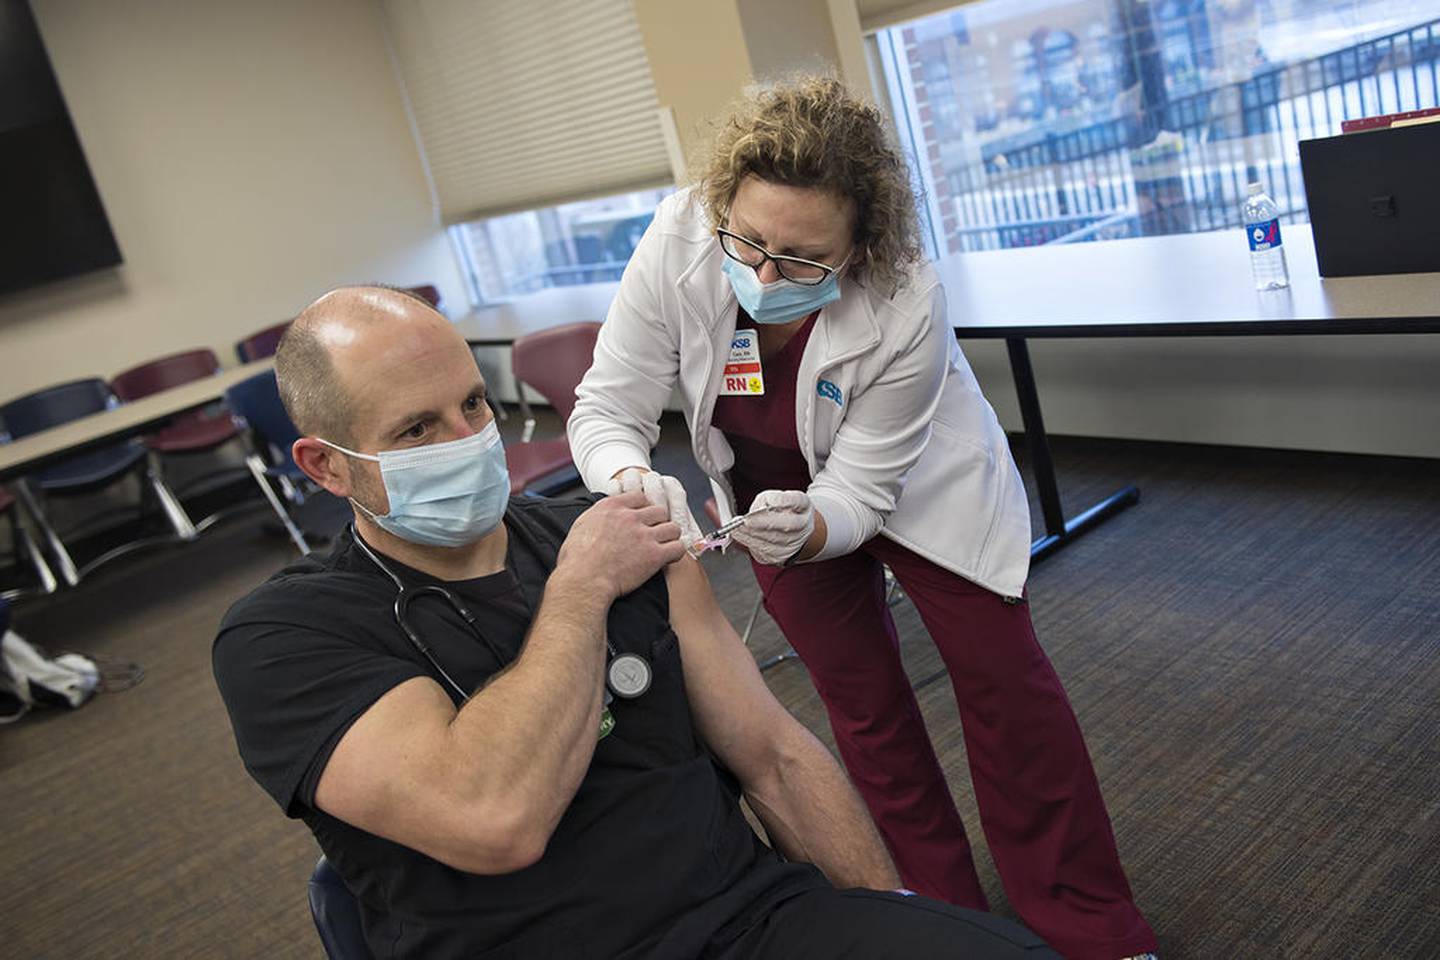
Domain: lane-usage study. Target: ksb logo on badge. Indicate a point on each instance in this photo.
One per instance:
(742, 375)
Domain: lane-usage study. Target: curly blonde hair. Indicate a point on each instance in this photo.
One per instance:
(811, 132)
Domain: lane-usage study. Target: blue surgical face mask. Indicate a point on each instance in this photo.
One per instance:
(781, 301)
(444, 494)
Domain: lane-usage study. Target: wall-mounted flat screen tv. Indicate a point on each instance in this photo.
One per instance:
(52, 224)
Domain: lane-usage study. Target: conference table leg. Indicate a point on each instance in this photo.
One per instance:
(1058, 530)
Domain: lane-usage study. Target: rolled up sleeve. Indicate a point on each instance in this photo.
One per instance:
(619, 402)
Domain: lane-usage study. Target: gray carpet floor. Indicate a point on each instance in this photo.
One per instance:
(1253, 652)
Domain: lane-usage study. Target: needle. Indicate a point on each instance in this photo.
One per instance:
(734, 523)
(718, 538)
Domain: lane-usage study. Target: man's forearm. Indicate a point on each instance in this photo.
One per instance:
(813, 814)
(540, 718)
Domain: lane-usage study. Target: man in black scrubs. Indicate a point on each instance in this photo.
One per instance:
(538, 751)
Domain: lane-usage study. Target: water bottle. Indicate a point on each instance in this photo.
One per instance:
(1262, 225)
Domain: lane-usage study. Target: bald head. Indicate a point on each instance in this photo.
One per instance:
(328, 362)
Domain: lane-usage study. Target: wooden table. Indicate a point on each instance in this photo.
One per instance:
(1187, 285)
(29, 454)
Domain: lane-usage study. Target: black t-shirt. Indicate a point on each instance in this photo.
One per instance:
(653, 858)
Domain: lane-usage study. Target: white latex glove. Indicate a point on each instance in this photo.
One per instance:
(777, 526)
(631, 478)
(661, 491)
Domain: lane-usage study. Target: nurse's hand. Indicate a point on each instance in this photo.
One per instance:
(661, 491)
(778, 526)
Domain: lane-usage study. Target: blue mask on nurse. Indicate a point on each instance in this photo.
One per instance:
(782, 300)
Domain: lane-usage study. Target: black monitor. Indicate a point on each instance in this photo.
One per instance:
(52, 224)
(1373, 199)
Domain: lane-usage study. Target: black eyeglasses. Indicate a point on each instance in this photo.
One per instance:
(794, 269)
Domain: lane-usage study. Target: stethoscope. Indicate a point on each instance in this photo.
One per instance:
(627, 675)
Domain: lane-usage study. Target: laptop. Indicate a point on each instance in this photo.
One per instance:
(1374, 200)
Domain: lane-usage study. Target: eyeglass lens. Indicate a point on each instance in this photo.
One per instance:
(797, 271)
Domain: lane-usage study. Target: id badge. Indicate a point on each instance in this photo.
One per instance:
(742, 376)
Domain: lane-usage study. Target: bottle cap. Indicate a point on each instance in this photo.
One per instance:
(1255, 187)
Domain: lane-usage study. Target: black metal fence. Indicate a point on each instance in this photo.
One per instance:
(1184, 166)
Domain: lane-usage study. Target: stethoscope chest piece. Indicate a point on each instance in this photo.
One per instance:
(628, 675)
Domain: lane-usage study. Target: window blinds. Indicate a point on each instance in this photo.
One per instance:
(528, 104)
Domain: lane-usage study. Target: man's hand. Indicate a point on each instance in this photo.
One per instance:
(778, 526)
(619, 543)
(662, 491)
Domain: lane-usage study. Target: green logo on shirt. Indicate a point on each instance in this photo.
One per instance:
(607, 723)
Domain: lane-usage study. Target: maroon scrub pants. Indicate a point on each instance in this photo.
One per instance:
(1040, 804)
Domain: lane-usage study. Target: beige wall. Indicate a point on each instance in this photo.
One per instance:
(1343, 394)
(249, 155)
(785, 38)
(699, 62)
(703, 53)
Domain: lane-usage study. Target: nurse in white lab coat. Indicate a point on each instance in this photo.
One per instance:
(823, 386)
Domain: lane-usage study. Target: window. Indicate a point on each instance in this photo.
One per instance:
(566, 245)
(1055, 121)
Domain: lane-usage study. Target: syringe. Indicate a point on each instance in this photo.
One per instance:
(721, 536)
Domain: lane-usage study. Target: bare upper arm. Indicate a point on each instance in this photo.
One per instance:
(396, 773)
(736, 713)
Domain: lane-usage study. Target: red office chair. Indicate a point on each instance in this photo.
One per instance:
(197, 431)
(261, 343)
(193, 432)
(552, 362)
(427, 292)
